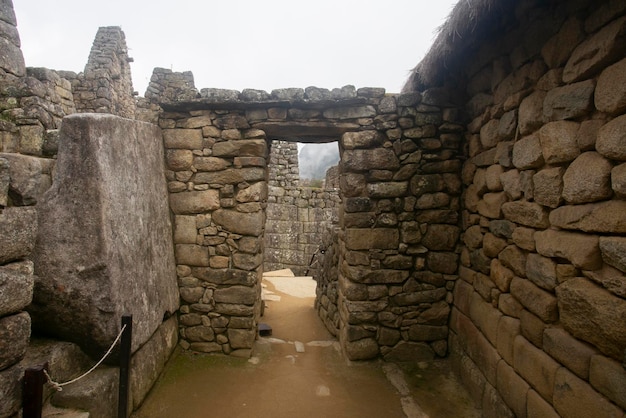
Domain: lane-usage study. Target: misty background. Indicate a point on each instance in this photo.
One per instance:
(315, 159)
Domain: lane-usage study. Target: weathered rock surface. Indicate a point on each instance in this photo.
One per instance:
(592, 314)
(14, 338)
(16, 286)
(105, 248)
(18, 229)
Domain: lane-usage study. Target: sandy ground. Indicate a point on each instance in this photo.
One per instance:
(298, 371)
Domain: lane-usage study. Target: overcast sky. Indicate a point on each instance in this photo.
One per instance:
(238, 44)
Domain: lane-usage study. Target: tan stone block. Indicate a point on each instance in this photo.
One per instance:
(484, 286)
(478, 347)
(574, 397)
(582, 250)
(558, 141)
(610, 142)
(587, 179)
(573, 354)
(595, 52)
(536, 300)
(526, 213)
(194, 202)
(367, 238)
(219, 262)
(537, 407)
(509, 305)
(593, 314)
(185, 231)
(541, 271)
(608, 377)
(569, 102)
(492, 178)
(492, 245)
(548, 186)
(514, 258)
(183, 138)
(532, 328)
(192, 255)
(527, 153)
(493, 406)
(462, 296)
(535, 366)
(609, 217)
(618, 180)
(512, 388)
(508, 329)
(524, 238)
(501, 275)
(485, 317)
(531, 113)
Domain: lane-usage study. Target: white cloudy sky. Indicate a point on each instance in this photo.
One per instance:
(238, 44)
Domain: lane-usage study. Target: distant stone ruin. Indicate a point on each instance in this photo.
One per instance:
(479, 215)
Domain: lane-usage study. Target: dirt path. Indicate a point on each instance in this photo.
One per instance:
(297, 372)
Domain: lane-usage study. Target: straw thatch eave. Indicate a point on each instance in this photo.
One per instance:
(469, 23)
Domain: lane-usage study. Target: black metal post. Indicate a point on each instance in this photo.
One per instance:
(125, 344)
(32, 391)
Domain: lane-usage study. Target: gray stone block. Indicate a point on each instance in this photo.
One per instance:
(105, 248)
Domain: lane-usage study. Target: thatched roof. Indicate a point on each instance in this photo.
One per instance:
(469, 23)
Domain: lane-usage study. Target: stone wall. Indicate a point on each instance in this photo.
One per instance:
(399, 192)
(539, 313)
(106, 85)
(297, 216)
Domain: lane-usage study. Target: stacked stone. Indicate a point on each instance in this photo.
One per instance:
(540, 313)
(167, 86)
(399, 174)
(218, 191)
(18, 228)
(327, 277)
(297, 216)
(106, 85)
(399, 229)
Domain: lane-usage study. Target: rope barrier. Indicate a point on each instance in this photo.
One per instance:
(59, 386)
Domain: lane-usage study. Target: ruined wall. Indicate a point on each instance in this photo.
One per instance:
(539, 312)
(297, 217)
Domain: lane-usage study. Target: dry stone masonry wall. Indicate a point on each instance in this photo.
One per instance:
(539, 313)
(400, 191)
(297, 216)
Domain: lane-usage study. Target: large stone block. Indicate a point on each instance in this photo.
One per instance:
(508, 329)
(569, 102)
(548, 186)
(512, 388)
(611, 139)
(604, 47)
(11, 390)
(608, 217)
(567, 350)
(593, 314)
(367, 238)
(26, 179)
(148, 362)
(581, 250)
(573, 397)
(14, 338)
(18, 231)
(609, 378)
(105, 248)
(16, 286)
(526, 213)
(536, 300)
(614, 252)
(527, 153)
(537, 407)
(377, 158)
(535, 366)
(610, 95)
(240, 223)
(587, 179)
(558, 141)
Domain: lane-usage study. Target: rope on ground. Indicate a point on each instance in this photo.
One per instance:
(59, 386)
